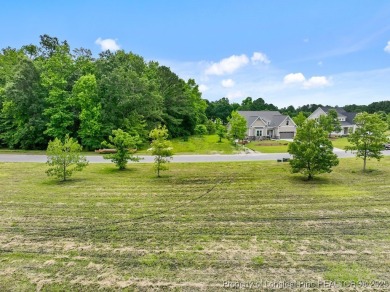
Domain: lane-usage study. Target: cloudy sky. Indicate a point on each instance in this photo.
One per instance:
(287, 52)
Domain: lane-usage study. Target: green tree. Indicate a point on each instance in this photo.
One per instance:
(299, 119)
(369, 137)
(200, 130)
(237, 126)
(388, 121)
(220, 129)
(329, 122)
(334, 121)
(56, 74)
(64, 158)
(22, 122)
(219, 109)
(86, 98)
(161, 148)
(312, 151)
(210, 127)
(125, 145)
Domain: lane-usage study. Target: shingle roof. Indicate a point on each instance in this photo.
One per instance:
(341, 112)
(275, 118)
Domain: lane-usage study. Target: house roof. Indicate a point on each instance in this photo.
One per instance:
(341, 113)
(274, 118)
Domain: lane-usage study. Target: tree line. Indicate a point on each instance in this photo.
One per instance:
(50, 91)
(222, 108)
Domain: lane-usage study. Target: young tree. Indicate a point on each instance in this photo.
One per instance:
(220, 129)
(238, 126)
(299, 119)
(312, 151)
(161, 148)
(64, 158)
(369, 137)
(125, 146)
(330, 122)
(200, 130)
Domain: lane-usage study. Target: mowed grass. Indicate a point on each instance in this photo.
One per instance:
(340, 143)
(269, 146)
(200, 225)
(208, 144)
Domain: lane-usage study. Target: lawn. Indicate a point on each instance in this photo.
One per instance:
(208, 144)
(269, 146)
(197, 228)
(340, 142)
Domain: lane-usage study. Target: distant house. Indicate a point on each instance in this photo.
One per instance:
(268, 124)
(345, 118)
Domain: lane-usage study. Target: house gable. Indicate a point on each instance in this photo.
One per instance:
(259, 122)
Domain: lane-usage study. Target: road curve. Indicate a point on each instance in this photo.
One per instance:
(178, 158)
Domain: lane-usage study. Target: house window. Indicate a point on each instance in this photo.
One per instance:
(259, 133)
(287, 122)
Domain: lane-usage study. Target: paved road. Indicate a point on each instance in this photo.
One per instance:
(178, 158)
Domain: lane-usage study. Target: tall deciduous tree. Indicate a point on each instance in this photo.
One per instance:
(55, 78)
(64, 158)
(369, 137)
(22, 122)
(125, 145)
(312, 151)
(86, 98)
(161, 148)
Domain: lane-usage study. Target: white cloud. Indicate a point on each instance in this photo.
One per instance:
(387, 48)
(107, 44)
(234, 95)
(203, 88)
(227, 65)
(313, 82)
(260, 57)
(294, 78)
(228, 83)
(316, 81)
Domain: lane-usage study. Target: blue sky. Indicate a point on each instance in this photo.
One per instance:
(287, 52)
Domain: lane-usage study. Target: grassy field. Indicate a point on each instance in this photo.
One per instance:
(207, 144)
(197, 228)
(269, 146)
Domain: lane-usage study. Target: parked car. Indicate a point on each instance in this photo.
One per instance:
(387, 146)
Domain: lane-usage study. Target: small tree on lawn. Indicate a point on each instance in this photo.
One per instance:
(312, 151)
(330, 122)
(220, 129)
(369, 137)
(201, 130)
(64, 158)
(125, 146)
(238, 126)
(161, 148)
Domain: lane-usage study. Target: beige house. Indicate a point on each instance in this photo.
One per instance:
(268, 125)
(345, 118)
